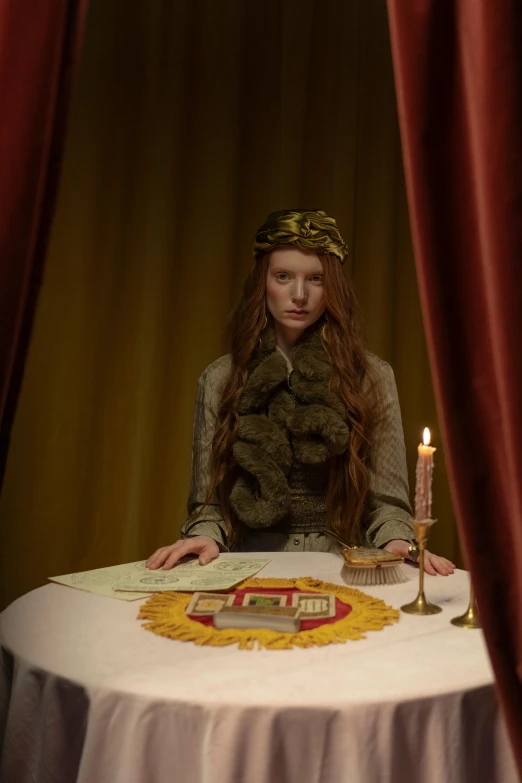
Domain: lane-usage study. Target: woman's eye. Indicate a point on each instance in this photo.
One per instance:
(317, 279)
(282, 276)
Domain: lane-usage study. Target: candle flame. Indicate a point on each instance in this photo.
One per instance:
(426, 436)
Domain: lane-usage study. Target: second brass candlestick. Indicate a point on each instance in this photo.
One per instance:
(421, 606)
(470, 618)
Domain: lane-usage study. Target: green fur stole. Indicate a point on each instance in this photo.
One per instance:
(282, 420)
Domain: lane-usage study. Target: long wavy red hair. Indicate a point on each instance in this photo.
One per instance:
(351, 380)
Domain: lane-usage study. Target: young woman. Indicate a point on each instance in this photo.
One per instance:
(298, 429)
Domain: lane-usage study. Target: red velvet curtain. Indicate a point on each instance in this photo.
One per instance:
(39, 48)
(458, 74)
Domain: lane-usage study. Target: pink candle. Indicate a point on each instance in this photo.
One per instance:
(423, 476)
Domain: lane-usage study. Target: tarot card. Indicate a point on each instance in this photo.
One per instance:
(264, 599)
(314, 605)
(206, 604)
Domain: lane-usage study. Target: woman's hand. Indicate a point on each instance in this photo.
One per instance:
(205, 547)
(433, 564)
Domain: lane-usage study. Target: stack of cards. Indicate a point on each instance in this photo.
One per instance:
(276, 618)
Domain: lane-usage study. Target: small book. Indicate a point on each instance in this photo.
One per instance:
(276, 618)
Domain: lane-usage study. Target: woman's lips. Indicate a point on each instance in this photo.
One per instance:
(297, 313)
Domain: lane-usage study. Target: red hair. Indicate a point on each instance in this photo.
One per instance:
(349, 479)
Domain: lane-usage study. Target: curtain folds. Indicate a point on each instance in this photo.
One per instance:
(458, 74)
(38, 51)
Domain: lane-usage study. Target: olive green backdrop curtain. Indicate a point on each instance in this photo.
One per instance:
(192, 121)
(459, 85)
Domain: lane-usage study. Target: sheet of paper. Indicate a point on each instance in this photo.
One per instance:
(103, 581)
(220, 574)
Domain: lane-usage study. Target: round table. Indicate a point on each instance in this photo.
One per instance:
(87, 695)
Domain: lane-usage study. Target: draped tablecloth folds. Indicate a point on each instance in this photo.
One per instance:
(86, 694)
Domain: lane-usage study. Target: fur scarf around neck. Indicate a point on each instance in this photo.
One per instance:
(282, 420)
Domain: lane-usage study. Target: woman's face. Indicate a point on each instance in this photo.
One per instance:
(294, 288)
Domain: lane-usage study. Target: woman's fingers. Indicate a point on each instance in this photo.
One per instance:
(176, 553)
(155, 558)
(167, 556)
(433, 564)
(445, 566)
(428, 567)
(161, 554)
(203, 546)
(209, 552)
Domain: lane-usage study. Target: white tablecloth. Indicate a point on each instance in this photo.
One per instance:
(88, 695)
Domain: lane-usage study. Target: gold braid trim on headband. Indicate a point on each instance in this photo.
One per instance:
(307, 229)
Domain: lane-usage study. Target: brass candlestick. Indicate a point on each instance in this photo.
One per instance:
(470, 618)
(421, 606)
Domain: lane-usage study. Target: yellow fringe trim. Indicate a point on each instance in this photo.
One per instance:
(166, 616)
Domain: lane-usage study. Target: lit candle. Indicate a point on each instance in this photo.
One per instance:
(423, 476)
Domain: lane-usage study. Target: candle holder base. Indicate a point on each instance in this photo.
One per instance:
(421, 606)
(470, 618)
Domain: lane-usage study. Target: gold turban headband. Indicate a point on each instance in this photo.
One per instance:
(307, 229)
